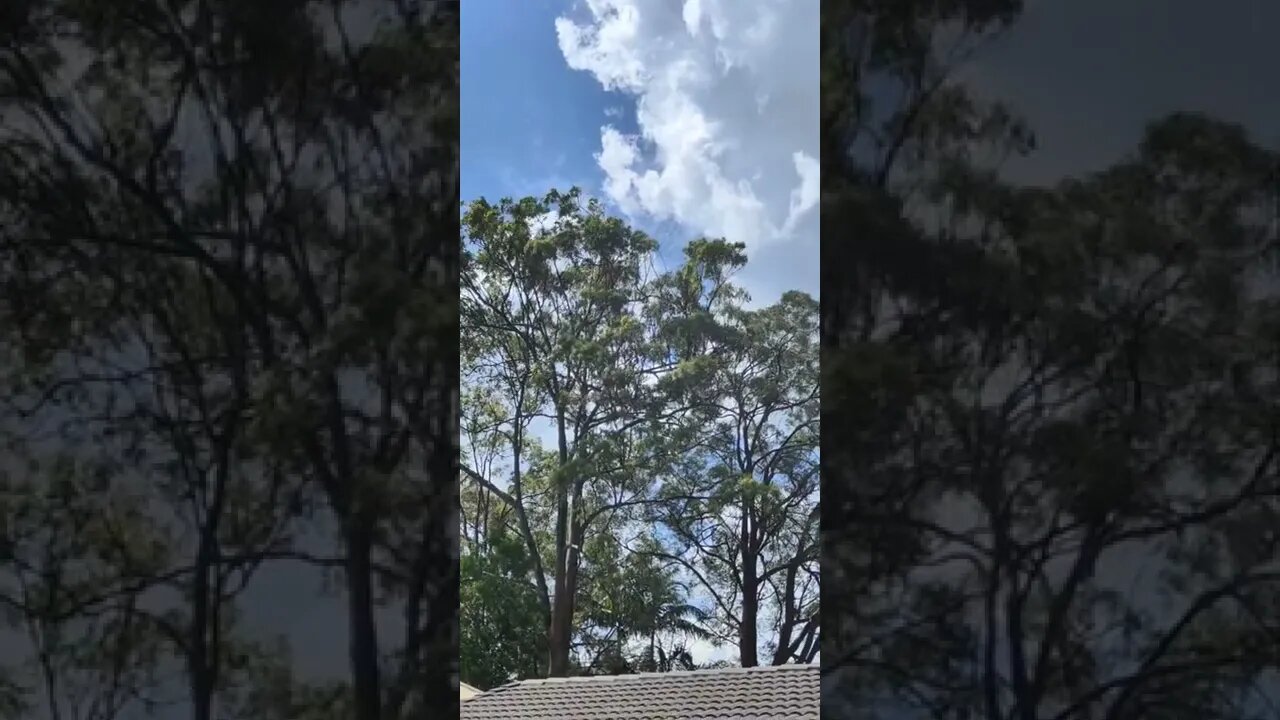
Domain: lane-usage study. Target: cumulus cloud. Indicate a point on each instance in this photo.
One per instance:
(726, 106)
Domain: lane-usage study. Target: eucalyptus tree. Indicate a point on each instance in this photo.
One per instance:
(553, 293)
(741, 509)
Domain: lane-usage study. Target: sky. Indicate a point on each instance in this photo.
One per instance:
(689, 119)
(1089, 74)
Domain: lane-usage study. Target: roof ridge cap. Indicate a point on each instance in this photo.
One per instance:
(624, 677)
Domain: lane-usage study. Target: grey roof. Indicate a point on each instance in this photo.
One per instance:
(783, 692)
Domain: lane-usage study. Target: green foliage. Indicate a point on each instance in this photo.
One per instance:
(747, 487)
(575, 343)
(636, 615)
(503, 633)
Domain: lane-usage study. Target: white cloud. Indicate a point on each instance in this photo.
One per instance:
(726, 104)
(705, 652)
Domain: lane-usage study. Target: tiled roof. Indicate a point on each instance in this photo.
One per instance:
(784, 692)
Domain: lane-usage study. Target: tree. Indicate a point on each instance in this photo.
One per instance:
(636, 616)
(554, 314)
(742, 507)
(503, 635)
(152, 411)
(625, 372)
(891, 110)
(71, 544)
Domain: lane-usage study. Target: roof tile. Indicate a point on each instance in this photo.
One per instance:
(784, 692)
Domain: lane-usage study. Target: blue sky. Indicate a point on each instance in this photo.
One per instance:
(529, 122)
(659, 110)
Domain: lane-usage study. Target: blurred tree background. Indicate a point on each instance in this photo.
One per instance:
(228, 328)
(1050, 413)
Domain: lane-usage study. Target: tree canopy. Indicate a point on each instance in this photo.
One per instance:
(640, 447)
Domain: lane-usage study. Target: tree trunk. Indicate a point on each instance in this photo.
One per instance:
(350, 505)
(198, 655)
(561, 635)
(786, 628)
(747, 639)
(747, 633)
(203, 660)
(558, 634)
(364, 633)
